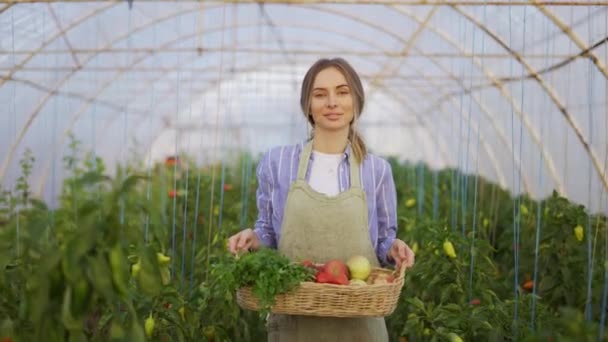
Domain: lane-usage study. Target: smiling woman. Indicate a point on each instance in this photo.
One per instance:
(327, 199)
(332, 100)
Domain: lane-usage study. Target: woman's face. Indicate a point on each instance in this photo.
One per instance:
(331, 103)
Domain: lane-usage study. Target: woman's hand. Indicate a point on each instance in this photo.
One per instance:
(243, 241)
(400, 252)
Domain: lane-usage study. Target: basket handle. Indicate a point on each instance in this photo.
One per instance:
(402, 270)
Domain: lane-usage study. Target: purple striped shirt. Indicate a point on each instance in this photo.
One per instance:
(278, 168)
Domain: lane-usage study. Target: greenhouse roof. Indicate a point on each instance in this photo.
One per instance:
(512, 90)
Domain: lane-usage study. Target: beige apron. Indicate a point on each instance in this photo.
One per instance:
(318, 227)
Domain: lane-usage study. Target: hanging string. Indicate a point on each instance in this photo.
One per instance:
(420, 201)
(244, 187)
(195, 222)
(178, 30)
(516, 188)
(54, 139)
(151, 107)
(539, 207)
(186, 194)
(602, 191)
(215, 147)
(94, 81)
(460, 190)
(465, 188)
(590, 73)
(474, 225)
(126, 110)
(224, 149)
(457, 173)
(14, 116)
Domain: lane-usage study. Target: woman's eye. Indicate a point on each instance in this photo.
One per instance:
(319, 95)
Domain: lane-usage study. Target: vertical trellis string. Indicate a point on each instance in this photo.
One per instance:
(150, 109)
(14, 116)
(539, 207)
(187, 185)
(198, 177)
(126, 110)
(465, 188)
(176, 153)
(605, 293)
(216, 134)
(590, 74)
(517, 187)
(474, 225)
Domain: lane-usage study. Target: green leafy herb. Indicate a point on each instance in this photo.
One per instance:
(268, 273)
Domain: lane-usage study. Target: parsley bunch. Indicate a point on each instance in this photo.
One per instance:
(269, 273)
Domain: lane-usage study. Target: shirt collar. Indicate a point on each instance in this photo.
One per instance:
(348, 151)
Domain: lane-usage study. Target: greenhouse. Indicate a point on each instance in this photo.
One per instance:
(148, 149)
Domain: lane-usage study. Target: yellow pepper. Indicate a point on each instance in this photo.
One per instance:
(149, 326)
(162, 259)
(135, 269)
(579, 233)
(454, 338)
(448, 249)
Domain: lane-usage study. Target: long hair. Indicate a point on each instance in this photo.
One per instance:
(354, 83)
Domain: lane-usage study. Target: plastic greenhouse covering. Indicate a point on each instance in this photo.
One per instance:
(514, 93)
(511, 91)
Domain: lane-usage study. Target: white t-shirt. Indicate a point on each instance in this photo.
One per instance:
(324, 173)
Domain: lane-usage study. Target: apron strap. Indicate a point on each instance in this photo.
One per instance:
(304, 158)
(355, 177)
(355, 180)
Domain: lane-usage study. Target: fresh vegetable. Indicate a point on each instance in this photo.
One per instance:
(268, 272)
(149, 325)
(333, 272)
(452, 337)
(448, 249)
(162, 259)
(579, 232)
(359, 267)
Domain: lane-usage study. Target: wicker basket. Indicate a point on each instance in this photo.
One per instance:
(314, 299)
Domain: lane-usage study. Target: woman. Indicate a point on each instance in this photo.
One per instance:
(327, 199)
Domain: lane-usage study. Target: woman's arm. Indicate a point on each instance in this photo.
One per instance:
(386, 206)
(263, 225)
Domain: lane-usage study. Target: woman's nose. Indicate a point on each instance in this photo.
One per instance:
(331, 100)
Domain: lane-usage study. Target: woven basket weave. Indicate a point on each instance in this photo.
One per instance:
(329, 300)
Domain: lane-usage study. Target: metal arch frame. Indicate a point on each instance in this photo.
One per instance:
(84, 108)
(384, 53)
(59, 34)
(550, 92)
(372, 2)
(406, 51)
(487, 113)
(6, 161)
(504, 92)
(440, 143)
(153, 22)
(487, 73)
(400, 39)
(572, 35)
(495, 164)
(6, 6)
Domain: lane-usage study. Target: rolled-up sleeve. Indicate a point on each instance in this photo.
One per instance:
(386, 200)
(263, 226)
